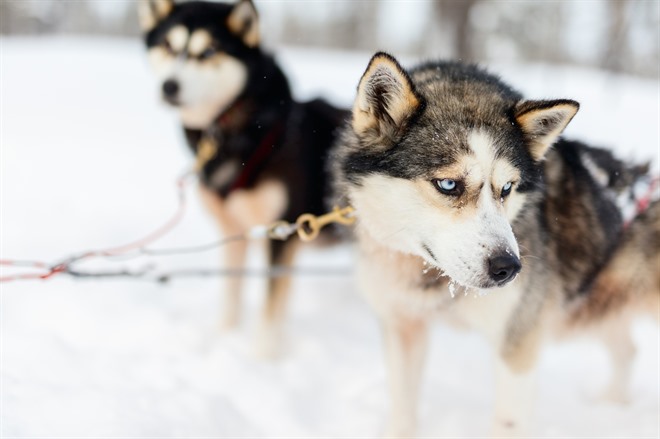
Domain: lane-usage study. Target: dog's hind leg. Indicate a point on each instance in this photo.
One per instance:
(406, 342)
(270, 330)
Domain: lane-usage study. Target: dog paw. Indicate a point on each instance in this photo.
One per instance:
(228, 322)
(267, 345)
(399, 430)
(504, 428)
(615, 396)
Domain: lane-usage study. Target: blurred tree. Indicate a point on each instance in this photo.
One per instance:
(454, 15)
(619, 35)
(614, 58)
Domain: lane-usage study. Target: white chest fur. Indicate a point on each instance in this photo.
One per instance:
(395, 285)
(243, 209)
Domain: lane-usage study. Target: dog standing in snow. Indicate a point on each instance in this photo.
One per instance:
(471, 207)
(261, 155)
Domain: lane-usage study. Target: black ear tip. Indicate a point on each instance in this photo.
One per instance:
(387, 59)
(383, 56)
(558, 102)
(249, 2)
(524, 107)
(378, 56)
(565, 102)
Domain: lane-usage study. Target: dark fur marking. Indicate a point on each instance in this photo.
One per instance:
(430, 140)
(581, 197)
(428, 250)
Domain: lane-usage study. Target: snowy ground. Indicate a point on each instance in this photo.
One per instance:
(88, 160)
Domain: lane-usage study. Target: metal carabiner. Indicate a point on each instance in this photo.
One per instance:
(309, 226)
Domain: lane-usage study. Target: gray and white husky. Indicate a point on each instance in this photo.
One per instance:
(463, 188)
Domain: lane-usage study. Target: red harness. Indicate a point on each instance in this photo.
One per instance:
(232, 117)
(260, 156)
(643, 202)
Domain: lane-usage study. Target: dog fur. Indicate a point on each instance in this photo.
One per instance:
(471, 207)
(268, 152)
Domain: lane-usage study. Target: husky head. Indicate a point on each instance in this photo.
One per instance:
(200, 52)
(439, 162)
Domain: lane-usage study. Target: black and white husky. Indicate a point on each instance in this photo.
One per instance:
(470, 206)
(261, 155)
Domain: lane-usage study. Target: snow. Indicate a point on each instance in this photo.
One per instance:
(88, 160)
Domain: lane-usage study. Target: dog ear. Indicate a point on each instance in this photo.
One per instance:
(243, 21)
(386, 99)
(543, 122)
(152, 12)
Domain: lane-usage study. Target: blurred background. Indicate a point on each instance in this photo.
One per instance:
(617, 35)
(89, 156)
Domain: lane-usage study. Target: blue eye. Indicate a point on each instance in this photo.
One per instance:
(447, 186)
(506, 190)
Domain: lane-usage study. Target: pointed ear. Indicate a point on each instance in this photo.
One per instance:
(543, 122)
(243, 21)
(152, 12)
(386, 99)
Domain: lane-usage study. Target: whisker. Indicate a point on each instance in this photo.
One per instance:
(394, 233)
(522, 258)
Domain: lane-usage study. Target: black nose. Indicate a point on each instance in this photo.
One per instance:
(170, 88)
(503, 268)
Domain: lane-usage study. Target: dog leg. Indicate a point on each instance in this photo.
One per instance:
(515, 385)
(622, 351)
(232, 257)
(406, 342)
(515, 391)
(269, 333)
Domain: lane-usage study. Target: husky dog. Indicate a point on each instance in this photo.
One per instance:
(261, 155)
(471, 207)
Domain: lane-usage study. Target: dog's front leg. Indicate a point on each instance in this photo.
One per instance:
(270, 330)
(515, 388)
(618, 341)
(406, 343)
(232, 258)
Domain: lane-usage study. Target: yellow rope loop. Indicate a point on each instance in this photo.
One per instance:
(309, 226)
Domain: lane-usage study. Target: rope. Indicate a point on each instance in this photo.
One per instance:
(307, 227)
(147, 274)
(64, 266)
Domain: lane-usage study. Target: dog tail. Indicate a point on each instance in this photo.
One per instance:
(630, 281)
